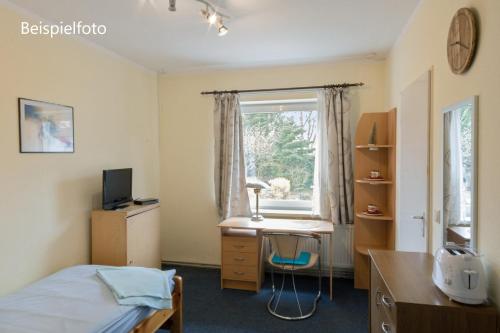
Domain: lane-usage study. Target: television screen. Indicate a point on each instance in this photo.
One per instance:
(116, 188)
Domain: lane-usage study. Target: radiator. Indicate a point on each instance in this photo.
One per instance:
(343, 255)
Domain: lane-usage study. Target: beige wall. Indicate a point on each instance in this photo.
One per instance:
(422, 47)
(46, 199)
(186, 143)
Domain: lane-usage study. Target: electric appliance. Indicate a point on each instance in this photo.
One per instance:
(146, 201)
(459, 273)
(116, 188)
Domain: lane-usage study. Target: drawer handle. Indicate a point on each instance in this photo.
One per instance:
(387, 301)
(386, 328)
(238, 246)
(239, 273)
(239, 259)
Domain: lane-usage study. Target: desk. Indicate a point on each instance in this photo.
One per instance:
(248, 246)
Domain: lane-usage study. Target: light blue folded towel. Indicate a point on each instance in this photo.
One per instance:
(139, 286)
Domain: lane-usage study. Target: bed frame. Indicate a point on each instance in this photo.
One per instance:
(170, 318)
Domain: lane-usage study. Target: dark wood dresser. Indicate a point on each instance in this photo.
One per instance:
(404, 299)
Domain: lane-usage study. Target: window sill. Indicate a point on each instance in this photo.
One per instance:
(289, 214)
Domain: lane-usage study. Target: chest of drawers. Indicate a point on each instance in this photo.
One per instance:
(127, 237)
(403, 299)
(241, 253)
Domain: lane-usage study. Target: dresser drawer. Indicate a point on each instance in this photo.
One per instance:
(239, 272)
(384, 325)
(239, 244)
(239, 258)
(383, 308)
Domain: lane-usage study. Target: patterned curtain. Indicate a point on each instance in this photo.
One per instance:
(230, 191)
(334, 163)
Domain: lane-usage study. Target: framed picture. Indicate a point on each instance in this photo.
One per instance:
(45, 127)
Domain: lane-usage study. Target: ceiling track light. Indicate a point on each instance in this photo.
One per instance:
(209, 13)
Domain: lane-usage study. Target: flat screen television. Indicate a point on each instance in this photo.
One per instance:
(116, 188)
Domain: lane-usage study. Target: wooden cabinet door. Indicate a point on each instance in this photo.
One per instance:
(143, 239)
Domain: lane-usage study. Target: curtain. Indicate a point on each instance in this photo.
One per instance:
(230, 191)
(334, 188)
(452, 172)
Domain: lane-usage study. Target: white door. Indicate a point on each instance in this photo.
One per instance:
(412, 167)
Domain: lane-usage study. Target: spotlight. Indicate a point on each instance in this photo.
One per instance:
(171, 6)
(223, 30)
(205, 13)
(212, 18)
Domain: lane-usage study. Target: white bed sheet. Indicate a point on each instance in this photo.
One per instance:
(73, 300)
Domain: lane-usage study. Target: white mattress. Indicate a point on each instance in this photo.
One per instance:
(73, 300)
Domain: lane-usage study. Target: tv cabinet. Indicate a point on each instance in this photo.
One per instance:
(127, 237)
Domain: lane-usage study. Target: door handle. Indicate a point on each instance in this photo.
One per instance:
(421, 218)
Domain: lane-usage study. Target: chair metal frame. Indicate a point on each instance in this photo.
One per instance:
(291, 268)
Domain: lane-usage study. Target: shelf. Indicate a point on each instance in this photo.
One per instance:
(380, 218)
(374, 232)
(363, 249)
(374, 182)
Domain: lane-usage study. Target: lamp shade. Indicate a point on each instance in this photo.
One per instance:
(257, 184)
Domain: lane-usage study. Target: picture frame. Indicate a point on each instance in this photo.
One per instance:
(45, 127)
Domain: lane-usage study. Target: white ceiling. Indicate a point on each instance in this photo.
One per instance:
(261, 32)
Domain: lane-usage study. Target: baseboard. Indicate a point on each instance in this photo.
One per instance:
(188, 264)
(338, 272)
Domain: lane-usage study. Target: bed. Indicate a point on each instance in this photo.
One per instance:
(75, 300)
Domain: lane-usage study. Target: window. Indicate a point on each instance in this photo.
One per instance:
(280, 149)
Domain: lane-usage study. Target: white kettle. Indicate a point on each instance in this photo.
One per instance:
(459, 273)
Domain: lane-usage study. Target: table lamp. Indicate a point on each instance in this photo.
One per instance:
(257, 187)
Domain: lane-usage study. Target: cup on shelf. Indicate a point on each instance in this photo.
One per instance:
(372, 209)
(374, 174)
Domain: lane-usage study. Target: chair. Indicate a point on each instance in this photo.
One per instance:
(284, 254)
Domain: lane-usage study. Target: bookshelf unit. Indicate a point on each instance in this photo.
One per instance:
(374, 232)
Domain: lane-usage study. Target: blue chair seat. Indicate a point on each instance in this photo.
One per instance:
(301, 260)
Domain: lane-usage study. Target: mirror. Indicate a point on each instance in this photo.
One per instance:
(459, 173)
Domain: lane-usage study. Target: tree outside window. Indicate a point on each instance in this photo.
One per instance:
(280, 150)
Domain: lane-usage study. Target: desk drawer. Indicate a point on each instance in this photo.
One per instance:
(239, 244)
(237, 258)
(239, 272)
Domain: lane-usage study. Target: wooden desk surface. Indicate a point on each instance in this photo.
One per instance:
(408, 275)
(288, 225)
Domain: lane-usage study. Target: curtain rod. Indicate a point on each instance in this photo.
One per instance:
(341, 85)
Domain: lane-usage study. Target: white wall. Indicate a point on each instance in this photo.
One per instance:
(46, 199)
(421, 47)
(189, 215)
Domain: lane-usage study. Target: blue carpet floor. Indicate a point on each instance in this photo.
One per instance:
(209, 309)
